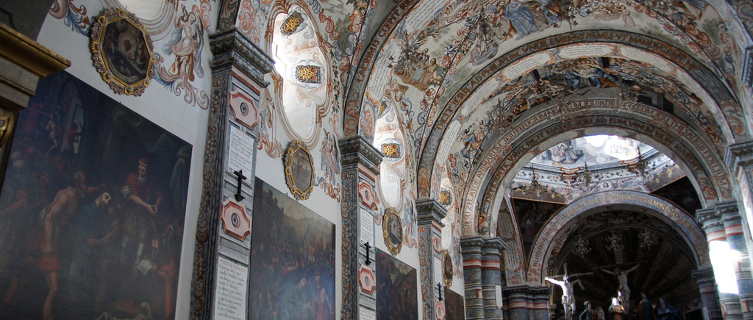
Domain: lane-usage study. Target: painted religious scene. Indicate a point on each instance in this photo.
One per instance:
(292, 260)
(455, 305)
(92, 210)
(396, 284)
(126, 51)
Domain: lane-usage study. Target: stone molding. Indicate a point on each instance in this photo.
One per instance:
(233, 48)
(357, 150)
(430, 211)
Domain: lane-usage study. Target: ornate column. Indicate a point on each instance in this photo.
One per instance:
(360, 162)
(718, 247)
(736, 241)
(709, 299)
(223, 245)
(739, 160)
(491, 277)
(524, 302)
(472, 255)
(430, 215)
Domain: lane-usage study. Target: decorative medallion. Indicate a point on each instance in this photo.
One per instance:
(447, 270)
(391, 150)
(299, 170)
(392, 228)
(366, 279)
(367, 195)
(445, 197)
(291, 23)
(234, 220)
(122, 52)
(308, 74)
(439, 308)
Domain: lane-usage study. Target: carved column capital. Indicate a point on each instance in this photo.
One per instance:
(471, 245)
(357, 150)
(494, 244)
(231, 48)
(430, 211)
(739, 154)
(708, 218)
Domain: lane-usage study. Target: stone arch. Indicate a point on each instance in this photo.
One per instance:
(535, 133)
(675, 217)
(716, 88)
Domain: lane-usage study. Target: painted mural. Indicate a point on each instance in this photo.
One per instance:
(682, 193)
(396, 284)
(92, 209)
(292, 259)
(454, 305)
(531, 217)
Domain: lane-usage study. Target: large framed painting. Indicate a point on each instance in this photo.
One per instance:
(454, 305)
(397, 287)
(92, 209)
(292, 259)
(122, 51)
(299, 170)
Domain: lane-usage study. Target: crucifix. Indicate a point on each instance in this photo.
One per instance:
(623, 291)
(238, 196)
(568, 293)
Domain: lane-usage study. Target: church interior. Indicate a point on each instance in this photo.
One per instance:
(376, 159)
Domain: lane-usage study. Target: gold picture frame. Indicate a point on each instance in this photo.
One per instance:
(122, 51)
(392, 230)
(299, 170)
(447, 268)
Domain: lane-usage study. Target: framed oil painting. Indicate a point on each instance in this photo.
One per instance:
(397, 283)
(454, 305)
(299, 170)
(122, 51)
(292, 259)
(93, 203)
(392, 230)
(447, 270)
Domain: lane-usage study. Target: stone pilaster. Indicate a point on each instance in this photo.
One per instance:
(491, 276)
(733, 229)
(430, 215)
(739, 160)
(360, 162)
(238, 66)
(717, 240)
(472, 256)
(709, 298)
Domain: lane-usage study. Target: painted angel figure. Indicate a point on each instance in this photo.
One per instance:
(186, 42)
(330, 158)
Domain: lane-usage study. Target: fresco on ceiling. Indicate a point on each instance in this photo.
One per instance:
(292, 260)
(575, 78)
(682, 193)
(92, 209)
(459, 33)
(397, 286)
(531, 217)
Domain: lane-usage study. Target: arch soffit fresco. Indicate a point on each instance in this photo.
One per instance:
(707, 109)
(703, 76)
(658, 207)
(384, 35)
(539, 131)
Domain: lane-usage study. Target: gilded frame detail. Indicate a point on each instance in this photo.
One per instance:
(122, 51)
(392, 230)
(447, 267)
(299, 170)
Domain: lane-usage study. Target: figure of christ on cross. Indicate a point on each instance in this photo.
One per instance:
(623, 291)
(568, 293)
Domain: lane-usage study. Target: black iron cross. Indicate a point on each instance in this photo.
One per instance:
(241, 177)
(368, 248)
(439, 289)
